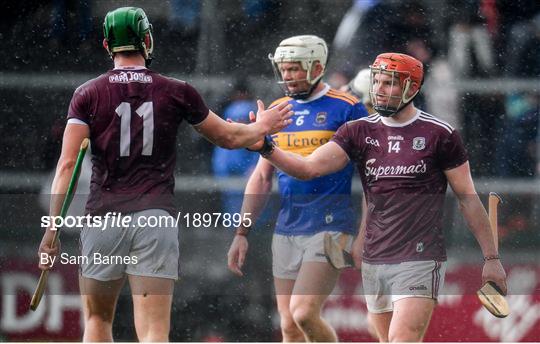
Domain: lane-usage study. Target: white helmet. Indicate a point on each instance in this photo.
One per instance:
(360, 85)
(305, 49)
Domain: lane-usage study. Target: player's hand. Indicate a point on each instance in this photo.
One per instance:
(259, 144)
(237, 254)
(356, 252)
(276, 118)
(45, 247)
(494, 271)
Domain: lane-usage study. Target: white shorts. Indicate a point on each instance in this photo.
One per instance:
(385, 284)
(141, 251)
(290, 251)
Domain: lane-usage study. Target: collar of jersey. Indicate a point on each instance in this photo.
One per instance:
(130, 68)
(316, 95)
(387, 121)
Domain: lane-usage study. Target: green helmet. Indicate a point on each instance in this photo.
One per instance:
(128, 29)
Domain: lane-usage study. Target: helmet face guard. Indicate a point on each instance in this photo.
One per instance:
(128, 29)
(306, 50)
(404, 70)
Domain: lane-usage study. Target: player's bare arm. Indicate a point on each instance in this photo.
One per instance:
(256, 195)
(326, 159)
(73, 136)
(475, 214)
(237, 135)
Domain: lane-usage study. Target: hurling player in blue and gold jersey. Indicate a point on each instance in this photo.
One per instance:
(302, 277)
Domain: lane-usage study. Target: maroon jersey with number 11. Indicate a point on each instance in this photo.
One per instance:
(133, 115)
(402, 172)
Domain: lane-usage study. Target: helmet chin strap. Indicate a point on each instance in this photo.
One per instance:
(302, 95)
(387, 111)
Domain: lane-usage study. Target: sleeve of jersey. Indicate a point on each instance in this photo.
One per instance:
(452, 152)
(195, 110)
(358, 111)
(78, 107)
(343, 138)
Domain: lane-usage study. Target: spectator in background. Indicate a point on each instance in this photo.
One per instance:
(517, 18)
(517, 157)
(392, 26)
(471, 55)
(184, 16)
(69, 17)
(470, 51)
(239, 162)
(524, 58)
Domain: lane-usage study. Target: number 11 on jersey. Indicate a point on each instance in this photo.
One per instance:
(146, 112)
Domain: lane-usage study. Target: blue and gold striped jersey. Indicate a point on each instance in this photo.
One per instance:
(321, 204)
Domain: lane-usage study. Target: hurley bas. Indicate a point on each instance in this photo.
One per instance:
(96, 258)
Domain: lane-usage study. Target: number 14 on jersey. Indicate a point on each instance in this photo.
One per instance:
(393, 146)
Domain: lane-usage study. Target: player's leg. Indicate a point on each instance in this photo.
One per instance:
(152, 300)
(286, 262)
(379, 325)
(290, 332)
(378, 299)
(410, 319)
(99, 302)
(152, 277)
(415, 287)
(99, 282)
(315, 282)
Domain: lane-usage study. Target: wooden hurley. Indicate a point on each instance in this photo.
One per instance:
(490, 294)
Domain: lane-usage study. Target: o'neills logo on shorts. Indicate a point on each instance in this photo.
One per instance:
(125, 77)
(394, 171)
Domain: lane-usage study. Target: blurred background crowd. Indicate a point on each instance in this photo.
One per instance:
(482, 59)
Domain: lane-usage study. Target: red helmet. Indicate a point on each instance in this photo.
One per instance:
(406, 68)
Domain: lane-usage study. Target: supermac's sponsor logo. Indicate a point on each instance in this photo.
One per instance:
(398, 171)
(373, 142)
(302, 142)
(126, 77)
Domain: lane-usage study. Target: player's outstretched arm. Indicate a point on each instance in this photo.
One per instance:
(232, 135)
(73, 136)
(475, 214)
(256, 195)
(326, 159)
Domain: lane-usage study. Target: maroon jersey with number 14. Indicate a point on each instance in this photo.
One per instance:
(402, 172)
(133, 115)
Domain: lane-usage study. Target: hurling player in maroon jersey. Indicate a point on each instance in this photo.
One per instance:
(406, 159)
(131, 115)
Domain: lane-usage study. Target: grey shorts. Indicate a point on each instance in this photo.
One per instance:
(385, 284)
(115, 251)
(290, 251)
